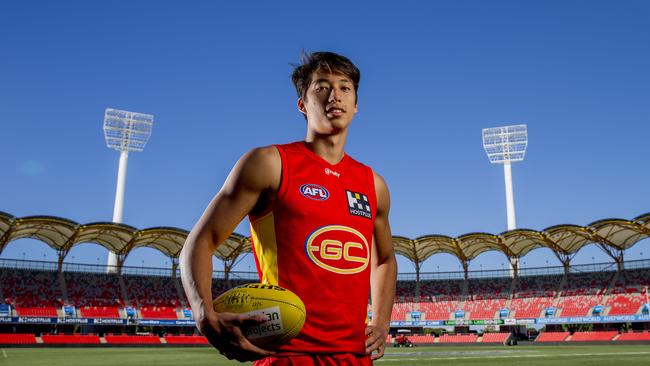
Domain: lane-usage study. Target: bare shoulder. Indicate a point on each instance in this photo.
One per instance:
(259, 169)
(266, 157)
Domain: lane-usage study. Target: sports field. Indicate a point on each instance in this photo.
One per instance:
(443, 355)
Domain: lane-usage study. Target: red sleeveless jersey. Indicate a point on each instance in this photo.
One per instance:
(317, 241)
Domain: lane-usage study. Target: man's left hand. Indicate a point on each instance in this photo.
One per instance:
(375, 341)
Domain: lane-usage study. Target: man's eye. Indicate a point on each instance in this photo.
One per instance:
(345, 88)
(321, 88)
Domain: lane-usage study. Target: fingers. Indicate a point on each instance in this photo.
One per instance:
(244, 320)
(375, 342)
(379, 354)
(243, 351)
(238, 347)
(227, 334)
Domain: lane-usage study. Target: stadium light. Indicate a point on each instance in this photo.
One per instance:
(506, 145)
(124, 131)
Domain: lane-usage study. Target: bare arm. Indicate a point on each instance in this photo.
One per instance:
(254, 179)
(383, 275)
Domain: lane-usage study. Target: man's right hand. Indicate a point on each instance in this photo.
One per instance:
(225, 331)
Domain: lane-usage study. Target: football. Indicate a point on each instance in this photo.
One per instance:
(284, 310)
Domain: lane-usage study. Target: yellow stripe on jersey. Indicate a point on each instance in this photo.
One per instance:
(266, 247)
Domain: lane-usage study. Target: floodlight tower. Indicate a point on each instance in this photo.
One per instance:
(124, 131)
(505, 145)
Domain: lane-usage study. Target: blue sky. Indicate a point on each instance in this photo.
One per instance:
(216, 77)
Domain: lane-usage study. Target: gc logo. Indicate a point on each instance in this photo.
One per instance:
(339, 249)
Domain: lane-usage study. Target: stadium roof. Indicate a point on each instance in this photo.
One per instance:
(564, 240)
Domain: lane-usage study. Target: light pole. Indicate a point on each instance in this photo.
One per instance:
(506, 145)
(124, 131)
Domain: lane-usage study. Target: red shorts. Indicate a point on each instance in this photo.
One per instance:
(337, 359)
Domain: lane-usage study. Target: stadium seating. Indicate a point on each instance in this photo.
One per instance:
(577, 305)
(152, 291)
(45, 311)
(537, 286)
(99, 312)
(458, 338)
(18, 338)
(582, 292)
(533, 294)
(422, 339)
(405, 289)
(158, 312)
(70, 339)
(494, 337)
(637, 336)
(629, 292)
(552, 337)
(624, 304)
(93, 289)
(441, 290)
(186, 339)
(31, 292)
(530, 307)
(39, 293)
(484, 308)
(439, 310)
(401, 310)
(486, 296)
(132, 339)
(593, 336)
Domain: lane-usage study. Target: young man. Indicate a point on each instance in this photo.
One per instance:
(319, 225)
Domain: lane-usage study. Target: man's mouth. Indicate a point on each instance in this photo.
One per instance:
(335, 110)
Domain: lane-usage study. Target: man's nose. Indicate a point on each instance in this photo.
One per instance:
(334, 96)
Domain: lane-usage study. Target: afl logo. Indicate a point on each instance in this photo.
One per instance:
(339, 249)
(314, 192)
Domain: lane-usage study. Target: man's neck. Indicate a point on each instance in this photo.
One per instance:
(329, 147)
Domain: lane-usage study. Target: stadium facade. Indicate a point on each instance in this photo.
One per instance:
(47, 299)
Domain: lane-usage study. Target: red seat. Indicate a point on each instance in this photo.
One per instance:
(458, 338)
(99, 312)
(158, 312)
(49, 312)
(185, 339)
(70, 339)
(19, 338)
(593, 336)
(495, 337)
(639, 336)
(552, 337)
(132, 339)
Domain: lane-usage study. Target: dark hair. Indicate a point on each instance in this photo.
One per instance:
(328, 61)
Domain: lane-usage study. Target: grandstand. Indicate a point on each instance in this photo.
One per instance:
(64, 303)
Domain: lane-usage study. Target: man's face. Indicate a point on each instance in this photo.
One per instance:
(330, 103)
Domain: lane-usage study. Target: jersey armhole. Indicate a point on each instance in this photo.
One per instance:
(284, 182)
(371, 183)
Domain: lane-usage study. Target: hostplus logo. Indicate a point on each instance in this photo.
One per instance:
(358, 204)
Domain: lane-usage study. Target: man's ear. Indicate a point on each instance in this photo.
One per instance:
(301, 106)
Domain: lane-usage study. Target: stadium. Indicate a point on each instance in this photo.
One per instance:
(173, 94)
(49, 305)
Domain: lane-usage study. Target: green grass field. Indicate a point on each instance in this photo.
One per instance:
(619, 355)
